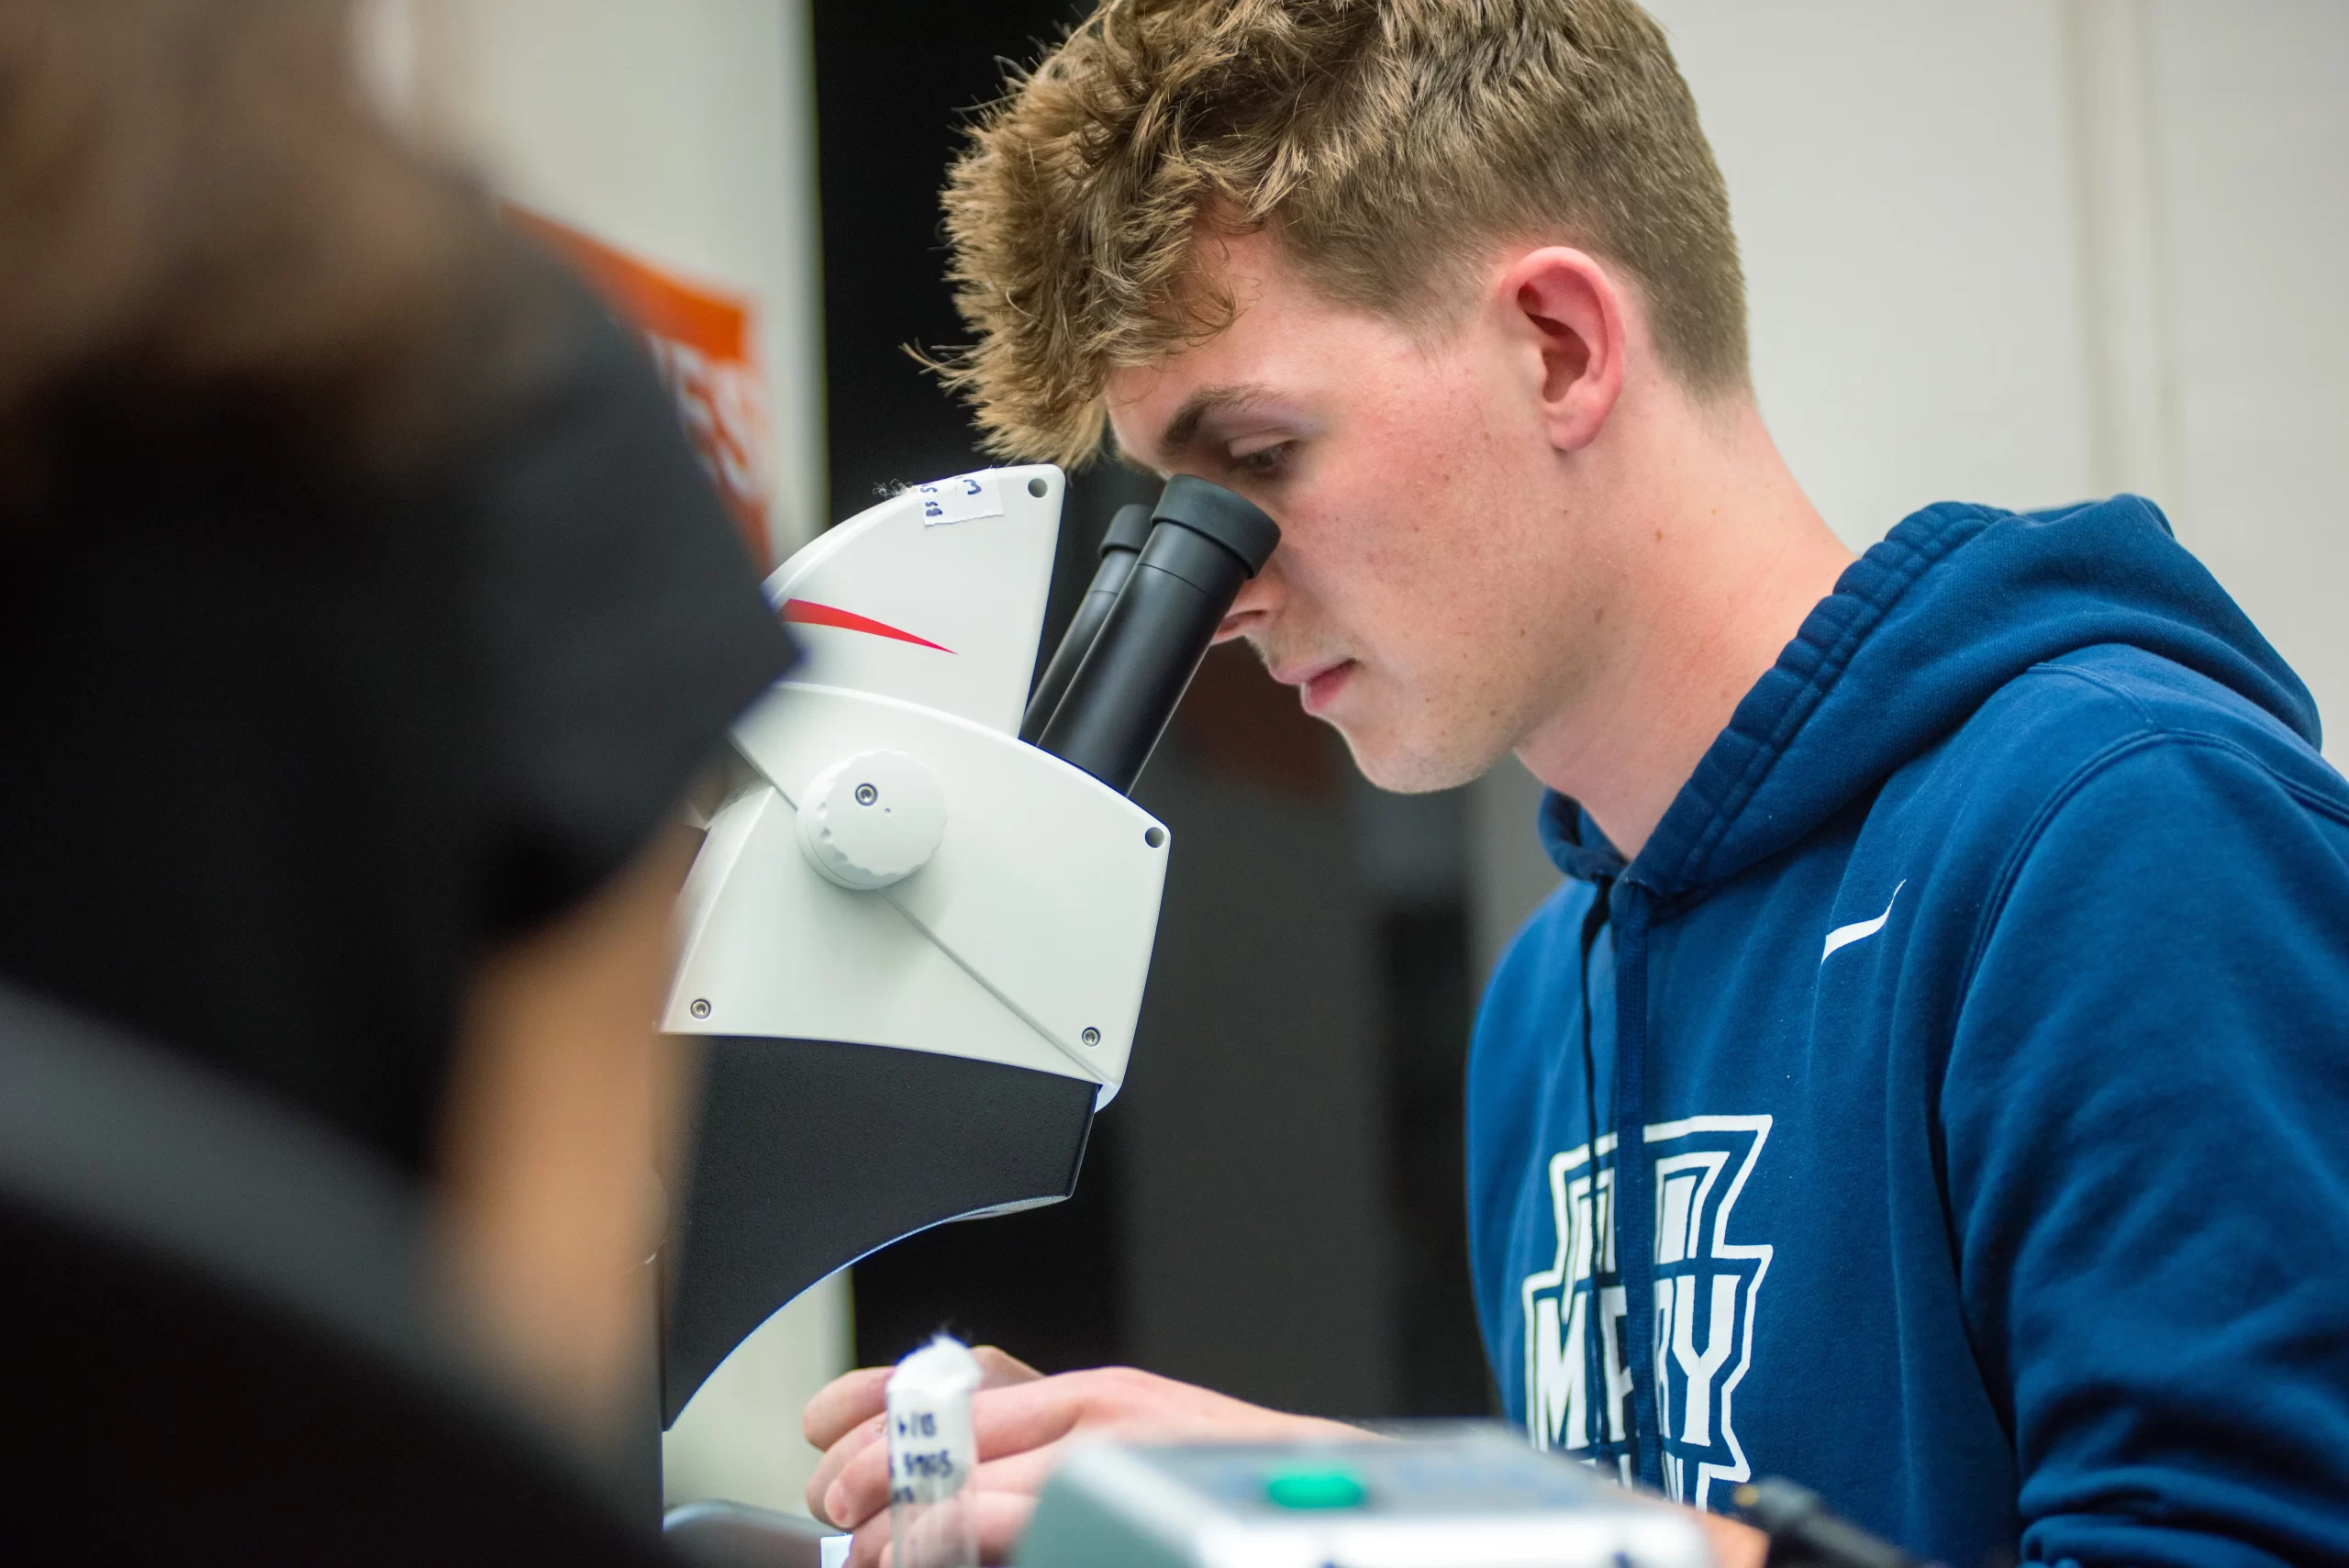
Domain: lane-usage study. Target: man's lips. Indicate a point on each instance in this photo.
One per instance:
(1318, 684)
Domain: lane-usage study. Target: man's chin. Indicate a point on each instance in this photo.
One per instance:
(1417, 766)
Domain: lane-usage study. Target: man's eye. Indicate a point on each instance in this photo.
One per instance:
(1264, 460)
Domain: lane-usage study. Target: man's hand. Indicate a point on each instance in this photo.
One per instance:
(1734, 1545)
(1023, 1422)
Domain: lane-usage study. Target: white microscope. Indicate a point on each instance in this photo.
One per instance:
(913, 944)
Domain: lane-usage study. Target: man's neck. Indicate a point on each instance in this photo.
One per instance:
(1725, 560)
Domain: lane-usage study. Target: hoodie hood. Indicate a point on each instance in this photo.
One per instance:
(1954, 603)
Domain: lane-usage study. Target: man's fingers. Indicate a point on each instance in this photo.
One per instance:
(1028, 1415)
(852, 1484)
(1020, 1474)
(864, 1441)
(856, 1483)
(1001, 1369)
(845, 1419)
(1031, 1414)
(860, 1395)
(841, 1404)
(870, 1549)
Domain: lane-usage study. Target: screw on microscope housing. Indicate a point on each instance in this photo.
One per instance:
(866, 794)
(1091, 1037)
(700, 1009)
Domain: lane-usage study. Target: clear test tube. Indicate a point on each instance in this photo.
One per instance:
(932, 1452)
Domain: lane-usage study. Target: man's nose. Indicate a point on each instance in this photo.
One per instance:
(1257, 603)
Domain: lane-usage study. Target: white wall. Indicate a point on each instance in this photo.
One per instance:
(2025, 251)
(684, 132)
(680, 130)
(2252, 155)
(1899, 179)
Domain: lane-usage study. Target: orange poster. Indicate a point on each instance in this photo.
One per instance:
(703, 341)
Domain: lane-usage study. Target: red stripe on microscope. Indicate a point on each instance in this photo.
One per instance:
(806, 612)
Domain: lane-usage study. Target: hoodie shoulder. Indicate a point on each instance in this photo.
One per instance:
(2083, 710)
(1980, 801)
(1950, 628)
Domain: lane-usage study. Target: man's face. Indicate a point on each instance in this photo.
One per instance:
(1433, 595)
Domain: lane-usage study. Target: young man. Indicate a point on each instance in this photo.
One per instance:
(1957, 936)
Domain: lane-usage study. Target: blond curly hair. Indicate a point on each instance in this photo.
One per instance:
(1388, 143)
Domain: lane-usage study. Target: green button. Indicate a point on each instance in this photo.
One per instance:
(1314, 1489)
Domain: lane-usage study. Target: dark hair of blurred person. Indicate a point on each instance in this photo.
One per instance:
(363, 617)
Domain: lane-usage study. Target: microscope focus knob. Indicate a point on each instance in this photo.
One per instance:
(871, 819)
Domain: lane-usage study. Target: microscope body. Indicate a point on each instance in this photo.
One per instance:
(913, 946)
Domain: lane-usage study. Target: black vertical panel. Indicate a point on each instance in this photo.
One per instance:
(1423, 964)
(1308, 1249)
(895, 81)
(1259, 1253)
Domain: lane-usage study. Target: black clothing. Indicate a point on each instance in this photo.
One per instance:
(276, 772)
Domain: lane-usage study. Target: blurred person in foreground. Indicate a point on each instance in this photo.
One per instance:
(364, 619)
(1959, 934)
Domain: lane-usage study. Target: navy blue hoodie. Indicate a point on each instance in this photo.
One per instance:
(1981, 1009)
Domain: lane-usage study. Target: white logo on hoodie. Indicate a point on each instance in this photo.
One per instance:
(1706, 1290)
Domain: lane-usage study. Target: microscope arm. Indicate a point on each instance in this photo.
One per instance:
(1030, 922)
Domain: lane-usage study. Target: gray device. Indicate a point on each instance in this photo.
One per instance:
(1474, 1497)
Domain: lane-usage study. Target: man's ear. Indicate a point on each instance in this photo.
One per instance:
(1568, 313)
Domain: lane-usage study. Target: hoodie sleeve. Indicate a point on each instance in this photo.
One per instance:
(2146, 1111)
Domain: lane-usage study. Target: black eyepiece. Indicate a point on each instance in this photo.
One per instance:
(1211, 510)
(1128, 532)
(1204, 542)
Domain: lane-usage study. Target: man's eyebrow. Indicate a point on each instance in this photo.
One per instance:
(1183, 428)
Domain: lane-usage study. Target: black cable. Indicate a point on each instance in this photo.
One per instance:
(1803, 1534)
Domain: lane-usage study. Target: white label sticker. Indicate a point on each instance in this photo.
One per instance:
(963, 499)
(931, 1449)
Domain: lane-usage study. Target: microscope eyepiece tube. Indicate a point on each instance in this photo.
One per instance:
(1128, 532)
(1204, 542)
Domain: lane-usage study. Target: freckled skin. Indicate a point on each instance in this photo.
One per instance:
(1462, 504)
(1415, 537)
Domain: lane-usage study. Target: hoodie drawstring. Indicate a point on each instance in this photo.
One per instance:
(1594, 1359)
(1634, 1204)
